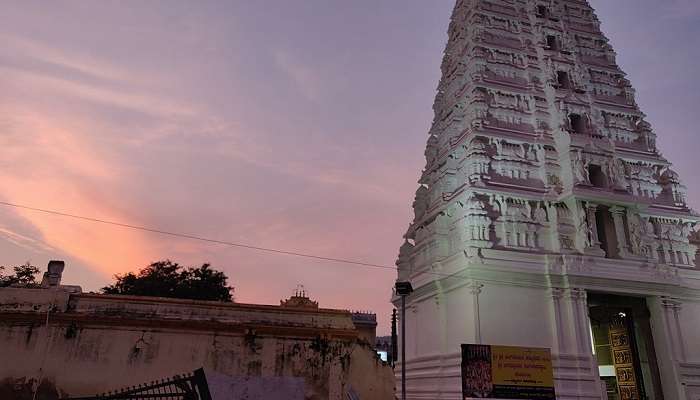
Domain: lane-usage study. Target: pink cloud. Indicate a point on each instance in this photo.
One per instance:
(36, 181)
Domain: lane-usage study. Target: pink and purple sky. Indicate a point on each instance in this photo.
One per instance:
(297, 125)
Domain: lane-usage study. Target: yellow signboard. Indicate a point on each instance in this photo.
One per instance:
(521, 366)
(505, 372)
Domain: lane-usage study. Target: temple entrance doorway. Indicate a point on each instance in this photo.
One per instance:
(623, 347)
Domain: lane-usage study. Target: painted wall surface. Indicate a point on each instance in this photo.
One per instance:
(460, 324)
(689, 316)
(92, 344)
(508, 311)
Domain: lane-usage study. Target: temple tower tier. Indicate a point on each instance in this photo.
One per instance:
(546, 216)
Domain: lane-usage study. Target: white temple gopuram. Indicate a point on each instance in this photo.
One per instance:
(546, 216)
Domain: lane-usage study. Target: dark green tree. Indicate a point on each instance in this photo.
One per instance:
(24, 275)
(170, 279)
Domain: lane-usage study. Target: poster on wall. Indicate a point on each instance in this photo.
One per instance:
(506, 372)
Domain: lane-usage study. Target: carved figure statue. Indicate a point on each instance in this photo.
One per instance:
(686, 230)
(540, 154)
(648, 226)
(616, 170)
(636, 235)
(540, 215)
(580, 168)
(587, 229)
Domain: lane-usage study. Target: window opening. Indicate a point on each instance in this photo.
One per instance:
(576, 122)
(563, 80)
(597, 176)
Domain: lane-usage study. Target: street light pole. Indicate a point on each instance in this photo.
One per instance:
(403, 347)
(403, 289)
(394, 339)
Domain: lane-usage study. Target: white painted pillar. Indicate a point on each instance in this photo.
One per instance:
(475, 290)
(579, 304)
(618, 214)
(414, 330)
(672, 309)
(559, 324)
(681, 340)
(667, 344)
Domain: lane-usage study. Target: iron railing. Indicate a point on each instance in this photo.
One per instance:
(192, 386)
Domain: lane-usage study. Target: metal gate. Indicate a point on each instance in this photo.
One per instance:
(191, 386)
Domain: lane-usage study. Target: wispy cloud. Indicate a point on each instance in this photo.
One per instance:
(49, 163)
(34, 144)
(131, 100)
(23, 241)
(26, 48)
(117, 88)
(304, 77)
(366, 181)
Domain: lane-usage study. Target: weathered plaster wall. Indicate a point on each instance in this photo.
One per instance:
(97, 343)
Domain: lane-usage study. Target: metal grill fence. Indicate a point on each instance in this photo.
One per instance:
(191, 386)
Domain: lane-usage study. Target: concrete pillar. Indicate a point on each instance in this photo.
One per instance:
(623, 246)
(475, 291)
(666, 344)
(414, 330)
(672, 309)
(559, 330)
(579, 304)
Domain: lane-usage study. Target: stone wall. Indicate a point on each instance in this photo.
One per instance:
(82, 344)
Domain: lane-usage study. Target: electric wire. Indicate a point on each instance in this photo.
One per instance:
(221, 242)
(195, 237)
